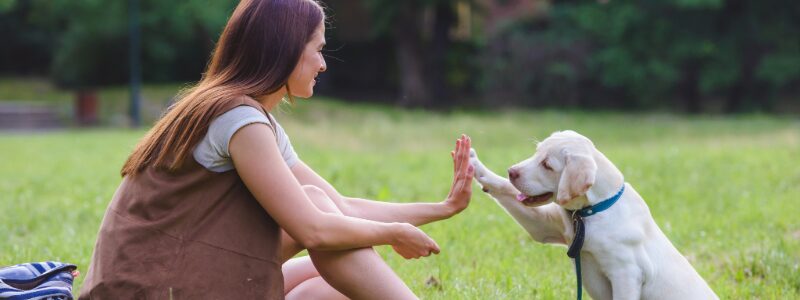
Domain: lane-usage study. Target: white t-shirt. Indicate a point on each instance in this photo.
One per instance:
(212, 152)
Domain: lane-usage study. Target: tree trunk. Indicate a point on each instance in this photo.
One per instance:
(444, 19)
(734, 12)
(690, 89)
(414, 91)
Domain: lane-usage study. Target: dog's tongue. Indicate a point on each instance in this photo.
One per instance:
(533, 200)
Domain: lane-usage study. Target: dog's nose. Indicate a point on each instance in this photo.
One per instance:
(512, 174)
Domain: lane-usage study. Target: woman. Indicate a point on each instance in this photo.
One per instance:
(214, 200)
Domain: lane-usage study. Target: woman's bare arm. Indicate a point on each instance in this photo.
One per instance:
(415, 213)
(258, 162)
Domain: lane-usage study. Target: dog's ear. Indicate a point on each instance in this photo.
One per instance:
(577, 177)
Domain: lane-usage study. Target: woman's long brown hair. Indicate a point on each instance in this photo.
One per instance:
(256, 53)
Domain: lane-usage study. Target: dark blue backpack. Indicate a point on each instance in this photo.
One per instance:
(39, 281)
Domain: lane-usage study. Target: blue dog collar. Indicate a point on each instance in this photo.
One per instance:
(603, 205)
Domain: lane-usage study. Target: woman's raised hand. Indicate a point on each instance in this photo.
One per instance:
(461, 190)
(410, 242)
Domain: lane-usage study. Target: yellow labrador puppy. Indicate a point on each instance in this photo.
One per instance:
(624, 253)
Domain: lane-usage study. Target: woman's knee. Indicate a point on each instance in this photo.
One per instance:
(290, 247)
(314, 191)
(296, 271)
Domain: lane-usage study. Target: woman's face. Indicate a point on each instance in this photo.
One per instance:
(303, 77)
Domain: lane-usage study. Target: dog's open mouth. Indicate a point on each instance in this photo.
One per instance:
(534, 200)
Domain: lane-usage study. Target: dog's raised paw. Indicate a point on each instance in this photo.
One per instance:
(480, 170)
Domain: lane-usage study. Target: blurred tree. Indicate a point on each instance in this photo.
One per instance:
(88, 47)
(26, 49)
(694, 49)
(420, 31)
(86, 43)
(92, 46)
(690, 55)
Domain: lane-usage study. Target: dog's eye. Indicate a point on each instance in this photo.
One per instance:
(546, 166)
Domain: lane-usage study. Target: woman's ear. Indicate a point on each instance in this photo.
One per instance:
(578, 176)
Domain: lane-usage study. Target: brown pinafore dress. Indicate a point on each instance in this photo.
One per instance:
(191, 234)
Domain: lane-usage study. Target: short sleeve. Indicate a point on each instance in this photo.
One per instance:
(212, 152)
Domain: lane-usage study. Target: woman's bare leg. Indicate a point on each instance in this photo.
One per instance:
(302, 281)
(358, 273)
(315, 288)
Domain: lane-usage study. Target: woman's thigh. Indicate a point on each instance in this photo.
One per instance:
(289, 247)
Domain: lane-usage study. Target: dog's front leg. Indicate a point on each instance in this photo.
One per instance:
(545, 223)
(626, 283)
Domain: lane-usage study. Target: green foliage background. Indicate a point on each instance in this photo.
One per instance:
(680, 55)
(652, 54)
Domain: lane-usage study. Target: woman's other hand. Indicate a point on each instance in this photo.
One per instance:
(461, 190)
(410, 242)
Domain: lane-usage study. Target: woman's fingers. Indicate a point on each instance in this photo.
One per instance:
(462, 170)
(457, 154)
(435, 247)
(457, 161)
(416, 244)
(453, 155)
(461, 157)
(461, 150)
(465, 144)
(463, 153)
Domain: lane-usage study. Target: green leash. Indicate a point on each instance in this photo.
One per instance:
(574, 250)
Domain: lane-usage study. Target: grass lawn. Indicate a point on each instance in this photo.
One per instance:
(724, 190)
